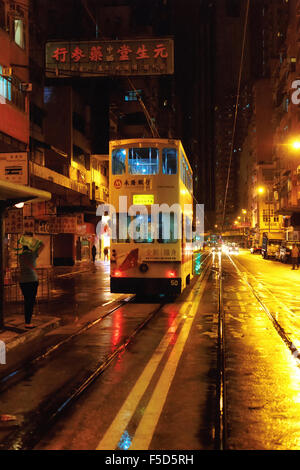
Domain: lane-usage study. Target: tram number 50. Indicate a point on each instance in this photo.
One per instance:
(174, 282)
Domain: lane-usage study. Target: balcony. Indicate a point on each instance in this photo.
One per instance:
(61, 180)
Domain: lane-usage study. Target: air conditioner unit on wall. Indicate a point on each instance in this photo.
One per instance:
(26, 87)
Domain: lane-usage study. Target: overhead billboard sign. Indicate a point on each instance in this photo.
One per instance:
(153, 56)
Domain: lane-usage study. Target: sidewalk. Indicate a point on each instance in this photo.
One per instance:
(21, 345)
(14, 332)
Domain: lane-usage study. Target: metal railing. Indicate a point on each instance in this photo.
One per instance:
(12, 291)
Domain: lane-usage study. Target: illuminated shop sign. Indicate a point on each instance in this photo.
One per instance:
(109, 58)
(143, 199)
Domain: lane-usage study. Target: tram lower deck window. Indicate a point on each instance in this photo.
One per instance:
(143, 161)
(169, 230)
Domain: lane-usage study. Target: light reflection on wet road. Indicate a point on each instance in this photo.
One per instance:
(262, 376)
(75, 294)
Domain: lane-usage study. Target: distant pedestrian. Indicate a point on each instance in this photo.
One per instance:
(295, 256)
(94, 252)
(29, 280)
(105, 251)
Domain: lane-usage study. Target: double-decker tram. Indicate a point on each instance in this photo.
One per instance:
(151, 196)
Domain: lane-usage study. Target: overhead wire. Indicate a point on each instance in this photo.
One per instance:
(236, 109)
(150, 122)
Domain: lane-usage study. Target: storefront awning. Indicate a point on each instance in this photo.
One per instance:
(12, 193)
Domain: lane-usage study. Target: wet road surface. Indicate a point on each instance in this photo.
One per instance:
(160, 392)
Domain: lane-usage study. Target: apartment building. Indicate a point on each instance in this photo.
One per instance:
(14, 78)
(14, 102)
(45, 142)
(259, 158)
(286, 71)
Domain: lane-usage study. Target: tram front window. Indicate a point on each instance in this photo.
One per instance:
(118, 161)
(143, 161)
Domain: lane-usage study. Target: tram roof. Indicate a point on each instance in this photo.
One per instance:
(144, 140)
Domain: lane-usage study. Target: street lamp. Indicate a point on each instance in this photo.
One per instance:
(295, 144)
(261, 190)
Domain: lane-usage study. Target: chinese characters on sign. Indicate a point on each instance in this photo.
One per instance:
(105, 58)
(14, 167)
(14, 221)
(163, 253)
(141, 183)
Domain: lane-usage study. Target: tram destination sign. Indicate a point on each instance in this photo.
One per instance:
(153, 56)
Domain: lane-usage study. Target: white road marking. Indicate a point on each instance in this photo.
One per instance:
(115, 431)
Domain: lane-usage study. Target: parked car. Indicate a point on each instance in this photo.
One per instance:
(255, 249)
(270, 246)
(286, 251)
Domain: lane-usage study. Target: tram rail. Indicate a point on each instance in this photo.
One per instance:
(34, 423)
(277, 325)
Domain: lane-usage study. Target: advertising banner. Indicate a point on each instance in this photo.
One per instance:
(151, 56)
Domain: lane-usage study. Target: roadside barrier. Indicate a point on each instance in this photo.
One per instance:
(13, 297)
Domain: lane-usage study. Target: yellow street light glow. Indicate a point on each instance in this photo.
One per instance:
(244, 211)
(261, 190)
(296, 144)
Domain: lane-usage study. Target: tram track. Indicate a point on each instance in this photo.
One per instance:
(267, 302)
(221, 414)
(18, 373)
(34, 424)
(244, 275)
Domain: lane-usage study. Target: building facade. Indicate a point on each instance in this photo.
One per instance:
(268, 28)
(45, 142)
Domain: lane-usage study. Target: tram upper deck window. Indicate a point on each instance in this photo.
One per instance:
(143, 161)
(169, 161)
(118, 161)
